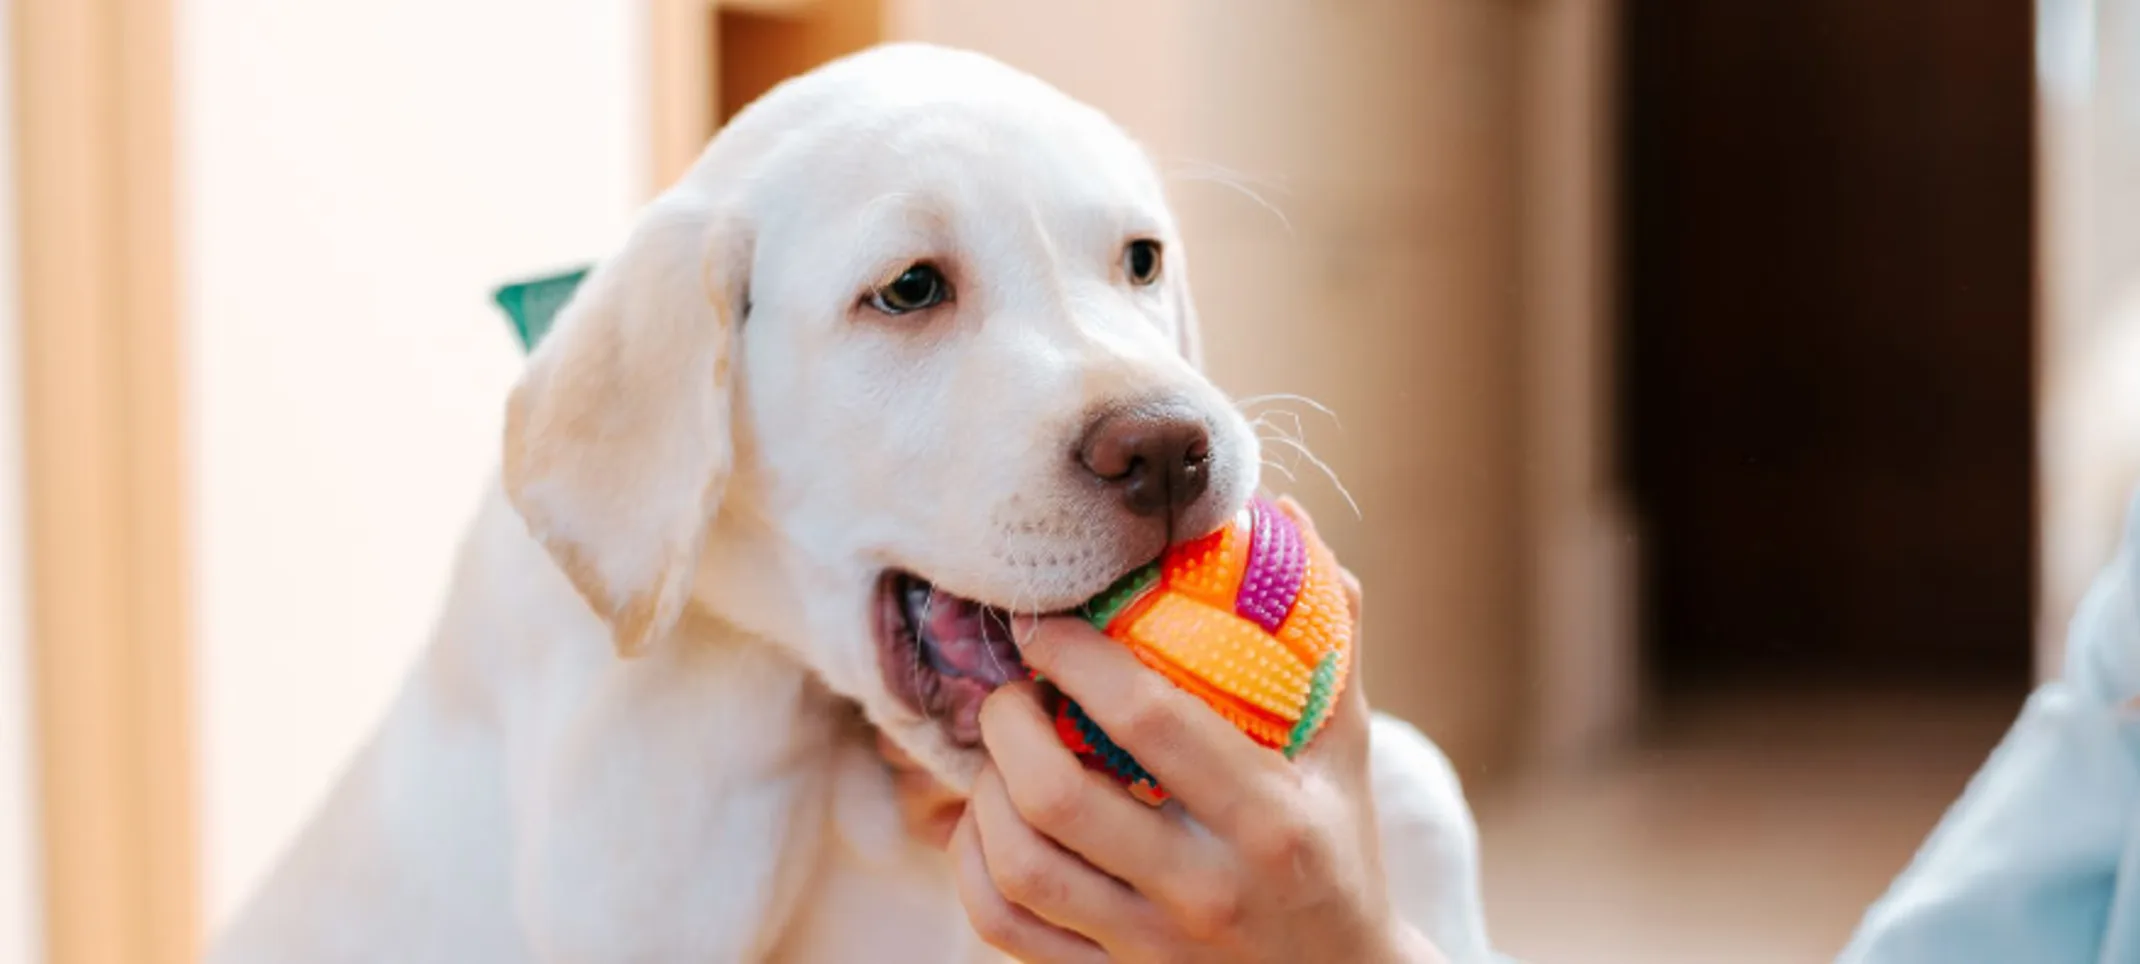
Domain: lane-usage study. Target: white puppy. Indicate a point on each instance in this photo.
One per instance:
(911, 345)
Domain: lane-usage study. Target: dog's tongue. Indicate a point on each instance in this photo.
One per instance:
(971, 642)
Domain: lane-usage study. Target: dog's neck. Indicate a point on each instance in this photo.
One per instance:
(512, 611)
(747, 579)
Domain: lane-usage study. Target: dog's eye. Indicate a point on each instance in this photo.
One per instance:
(918, 287)
(1140, 261)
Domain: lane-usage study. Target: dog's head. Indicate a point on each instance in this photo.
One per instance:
(911, 347)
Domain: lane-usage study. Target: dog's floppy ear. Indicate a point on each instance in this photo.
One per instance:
(1189, 338)
(617, 438)
(1188, 334)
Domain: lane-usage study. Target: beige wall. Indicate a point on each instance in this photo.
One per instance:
(1386, 133)
(20, 914)
(358, 176)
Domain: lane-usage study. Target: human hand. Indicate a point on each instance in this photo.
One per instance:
(1254, 858)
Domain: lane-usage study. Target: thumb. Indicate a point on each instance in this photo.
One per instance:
(1348, 724)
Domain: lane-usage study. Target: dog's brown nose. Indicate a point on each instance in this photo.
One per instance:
(1158, 459)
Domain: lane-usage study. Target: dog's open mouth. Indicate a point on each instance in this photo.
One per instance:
(942, 654)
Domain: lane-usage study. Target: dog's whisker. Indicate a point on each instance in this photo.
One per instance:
(1031, 590)
(1286, 413)
(1281, 470)
(1295, 438)
(1299, 437)
(1328, 473)
(1026, 587)
(1254, 400)
(921, 669)
(1194, 169)
(1008, 616)
(1297, 434)
(921, 681)
(1272, 432)
(1237, 182)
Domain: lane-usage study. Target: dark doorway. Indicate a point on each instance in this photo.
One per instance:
(1827, 408)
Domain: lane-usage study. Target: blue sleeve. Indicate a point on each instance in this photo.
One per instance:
(2031, 864)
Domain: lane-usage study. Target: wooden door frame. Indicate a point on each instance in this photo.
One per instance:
(681, 45)
(686, 103)
(110, 662)
(1583, 562)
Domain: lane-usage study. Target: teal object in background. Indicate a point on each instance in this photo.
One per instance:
(533, 305)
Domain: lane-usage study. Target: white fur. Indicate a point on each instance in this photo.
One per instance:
(709, 462)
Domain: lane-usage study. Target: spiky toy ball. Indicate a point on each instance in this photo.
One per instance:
(1251, 619)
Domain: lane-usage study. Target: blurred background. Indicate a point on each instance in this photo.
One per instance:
(1737, 396)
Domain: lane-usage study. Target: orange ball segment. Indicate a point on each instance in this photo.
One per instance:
(1251, 619)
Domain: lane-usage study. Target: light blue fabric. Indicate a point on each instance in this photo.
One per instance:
(2039, 861)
